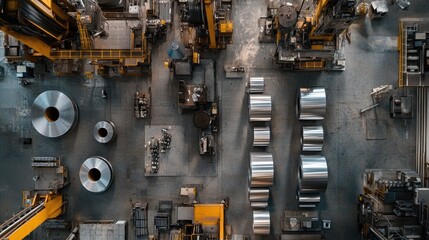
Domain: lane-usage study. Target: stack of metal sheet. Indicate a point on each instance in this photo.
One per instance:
(261, 222)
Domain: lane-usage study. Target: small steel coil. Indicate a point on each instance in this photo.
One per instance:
(259, 194)
(261, 222)
(313, 174)
(256, 85)
(311, 103)
(308, 199)
(261, 136)
(96, 174)
(104, 132)
(261, 171)
(259, 108)
(258, 205)
(312, 138)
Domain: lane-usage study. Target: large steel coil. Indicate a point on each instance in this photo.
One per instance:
(96, 174)
(311, 103)
(104, 132)
(261, 136)
(54, 114)
(256, 85)
(311, 138)
(259, 194)
(259, 108)
(313, 174)
(261, 172)
(261, 222)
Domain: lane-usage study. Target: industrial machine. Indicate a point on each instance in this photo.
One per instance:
(66, 31)
(308, 34)
(41, 204)
(393, 205)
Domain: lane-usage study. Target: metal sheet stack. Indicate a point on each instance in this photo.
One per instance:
(313, 168)
(261, 166)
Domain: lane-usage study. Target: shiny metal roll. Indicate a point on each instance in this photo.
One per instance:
(104, 132)
(96, 174)
(54, 114)
(311, 103)
(256, 85)
(258, 205)
(313, 174)
(311, 138)
(308, 198)
(261, 222)
(259, 108)
(259, 194)
(261, 136)
(261, 172)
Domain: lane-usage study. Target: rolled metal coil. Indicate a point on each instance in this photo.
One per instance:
(104, 132)
(96, 174)
(259, 108)
(261, 222)
(54, 114)
(261, 136)
(259, 194)
(313, 174)
(256, 85)
(308, 198)
(261, 171)
(258, 205)
(311, 138)
(311, 103)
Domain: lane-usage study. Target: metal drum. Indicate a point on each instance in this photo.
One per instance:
(96, 174)
(311, 103)
(54, 114)
(313, 174)
(261, 136)
(104, 132)
(261, 222)
(311, 138)
(256, 85)
(259, 108)
(261, 172)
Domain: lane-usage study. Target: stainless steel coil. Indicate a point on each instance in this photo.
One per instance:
(256, 85)
(313, 174)
(311, 103)
(308, 198)
(261, 171)
(104, 132)
(96, 174)
(259, 108)
(311, 138)
(54, 114)
(261, 222)
(258, 205)
(261, 136)
(259, 194)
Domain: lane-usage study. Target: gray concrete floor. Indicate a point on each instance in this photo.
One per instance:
(371, 60)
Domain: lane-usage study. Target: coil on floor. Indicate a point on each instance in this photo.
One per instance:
(259, 108)
(259, 194)
(313, 174)
(311, 138)
(96, 174)
(311, 103)
(258, 205)
(54, 114)
(307, 200)
(261, 222)
(256, 85)
(261, 136)
(261, 171)
(104, 132)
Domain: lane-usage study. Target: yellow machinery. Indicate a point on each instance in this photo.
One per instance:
(209, 223)
(308, 33)
(38, 209)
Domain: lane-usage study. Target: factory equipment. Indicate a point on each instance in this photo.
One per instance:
(307, 33)
(142, 105)
(401, 106)
(302, 225)
(393, 205)
(157, 146)
(139, 219)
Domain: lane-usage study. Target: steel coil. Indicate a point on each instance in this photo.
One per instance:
(256, 85)
(261, 172)
(259, 108)
(261, 222)
(259, 194)
(104, 132)
(96, 174)
(311, 138)
(261, 136)
(311, 103)
(54, 114)
(308, 198)
(258, 205)
(313, 174)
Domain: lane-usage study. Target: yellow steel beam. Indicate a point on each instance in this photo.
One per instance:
(317, 13)
(209, 215)
(210, 23)
(52, 209)
(100, 54)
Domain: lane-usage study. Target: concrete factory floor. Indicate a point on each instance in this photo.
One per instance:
(371, 61)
